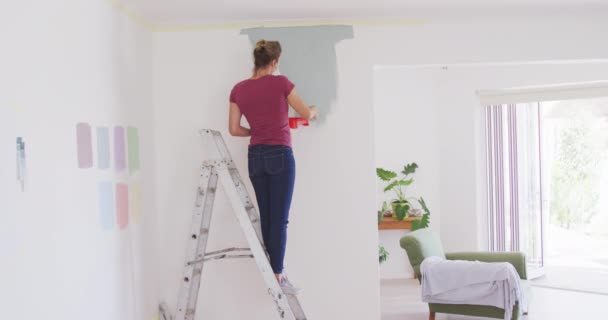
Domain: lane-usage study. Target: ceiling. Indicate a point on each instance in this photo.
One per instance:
(211, 11)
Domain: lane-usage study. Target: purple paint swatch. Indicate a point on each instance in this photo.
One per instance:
(122, 205)
(83, 145)
(120, 157)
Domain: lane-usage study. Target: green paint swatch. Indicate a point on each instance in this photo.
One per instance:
(133, 147)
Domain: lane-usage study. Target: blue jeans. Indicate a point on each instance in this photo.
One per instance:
(272, 170)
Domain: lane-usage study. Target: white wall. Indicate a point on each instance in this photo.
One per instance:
(65, 62)
(406, 130)
(332, 248)
(441, 103)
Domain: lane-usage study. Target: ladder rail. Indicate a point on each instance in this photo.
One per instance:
(216, 136)
(252, 212)
(219, 142)
(258, 251)
(199, 235)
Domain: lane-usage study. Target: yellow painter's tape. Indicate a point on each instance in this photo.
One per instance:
(239, 26)
(134, 16)
(154, 27)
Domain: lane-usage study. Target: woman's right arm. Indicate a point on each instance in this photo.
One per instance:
(234, 122)
(297, 103)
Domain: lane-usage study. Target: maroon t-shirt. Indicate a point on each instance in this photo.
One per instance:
(263, 102)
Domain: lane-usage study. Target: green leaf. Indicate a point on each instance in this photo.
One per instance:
(382, 254)
(385, 175)
(382, 212)
(422, 223)
(401, 210)
(426, 217)
(410, 168)
(406, 182)
(423, 205)
(391, 186)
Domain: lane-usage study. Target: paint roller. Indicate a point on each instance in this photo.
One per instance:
(294, 122)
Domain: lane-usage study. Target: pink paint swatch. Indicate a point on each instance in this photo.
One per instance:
(122, 205)
(84, 146)
(120, 157)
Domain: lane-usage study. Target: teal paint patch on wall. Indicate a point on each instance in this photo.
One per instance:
(309, 59)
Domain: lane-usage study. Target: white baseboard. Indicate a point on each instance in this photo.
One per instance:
(397, 276)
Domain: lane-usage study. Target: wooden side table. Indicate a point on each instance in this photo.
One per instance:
(390, 223)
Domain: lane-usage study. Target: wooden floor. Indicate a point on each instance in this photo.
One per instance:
(401, 301)
(575, 279)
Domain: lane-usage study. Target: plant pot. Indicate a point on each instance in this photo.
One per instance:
(400, 209)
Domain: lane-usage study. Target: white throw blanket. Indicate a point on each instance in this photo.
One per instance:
(472, 282)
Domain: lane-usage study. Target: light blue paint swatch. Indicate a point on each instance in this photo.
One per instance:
(106, 205)
(103, 148)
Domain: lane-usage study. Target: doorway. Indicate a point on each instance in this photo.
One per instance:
(574, 149)
(547, 172)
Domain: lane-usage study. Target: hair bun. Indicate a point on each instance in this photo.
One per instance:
(265, 52)
(260, 45)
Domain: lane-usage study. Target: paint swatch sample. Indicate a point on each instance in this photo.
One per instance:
(120, 159)
(133, 143)
(135, 202)
(83, 144)
(103, 148)
(122, 205)
(106, 204)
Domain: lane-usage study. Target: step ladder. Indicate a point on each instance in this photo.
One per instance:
(224, 170)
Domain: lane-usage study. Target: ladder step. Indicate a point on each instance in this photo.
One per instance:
(219, 257)
(227, 250)
(222, 254)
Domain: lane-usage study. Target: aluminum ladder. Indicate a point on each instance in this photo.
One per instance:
(224, 170)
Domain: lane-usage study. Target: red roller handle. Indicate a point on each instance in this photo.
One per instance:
(294, 122)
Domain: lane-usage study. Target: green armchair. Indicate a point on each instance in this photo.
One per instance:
(424, 243)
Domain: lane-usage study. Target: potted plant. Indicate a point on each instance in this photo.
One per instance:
(383, 212)
(382, 254)
(401, 204)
